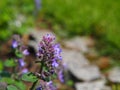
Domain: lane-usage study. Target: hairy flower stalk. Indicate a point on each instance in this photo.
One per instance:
(49, 56)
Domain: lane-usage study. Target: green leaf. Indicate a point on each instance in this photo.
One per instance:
(20, 85)
(10, 63)
(11, 87)
(7, 80)
(18, 54)
(1, 66)
(29, 77)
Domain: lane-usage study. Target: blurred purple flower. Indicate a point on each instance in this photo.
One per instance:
(25, 70)
(14, 44)
(25, 52)
(57, 51)
(50, 86)
(38, 4)
(60, 76)
(55, 64)
(21, 62)
(15, 41)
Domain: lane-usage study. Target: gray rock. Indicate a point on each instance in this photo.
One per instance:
(87, 73)
(96, 85)
(75, 58)
(106, 88)
(79, 66)
(79, 43)
(114, 75)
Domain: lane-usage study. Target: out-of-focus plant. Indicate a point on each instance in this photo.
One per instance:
(16, 64)
(48, 57)
(15, 17)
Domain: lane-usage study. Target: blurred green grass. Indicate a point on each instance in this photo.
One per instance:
(15, 17)
(78, 17)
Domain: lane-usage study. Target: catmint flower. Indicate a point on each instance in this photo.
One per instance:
(25, 52)
(20, 52)
(16, 41)
(14, 44)
(21, 62)
(55, 64)
(57, 51)
(60, 76)
(49, 53)
(25, 70)
(46, 86)
(50, 86)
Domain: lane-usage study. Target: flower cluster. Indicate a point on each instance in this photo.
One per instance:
(46, 86)
(20, 52)
(49, 55)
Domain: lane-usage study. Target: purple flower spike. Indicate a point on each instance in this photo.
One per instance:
(25, 52)
(21, 62)
(49, 54)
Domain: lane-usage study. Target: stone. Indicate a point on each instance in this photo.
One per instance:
(87, 73)
(79, 43)
(106, 88)
(73, 57)
(114, 75)
(95, 85)
(79, 66)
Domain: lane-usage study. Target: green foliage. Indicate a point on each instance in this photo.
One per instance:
(13, 84)
(15, 17)
(10, 63)
(11, 87)
(4, 74)
(18, 54)
(85, 17)
(70, 83)
(20, 85)
(29, 77)
(115, 86)
(8, 80)
(1, 65)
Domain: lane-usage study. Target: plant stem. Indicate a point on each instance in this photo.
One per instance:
(41, 67)
(34, 84)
